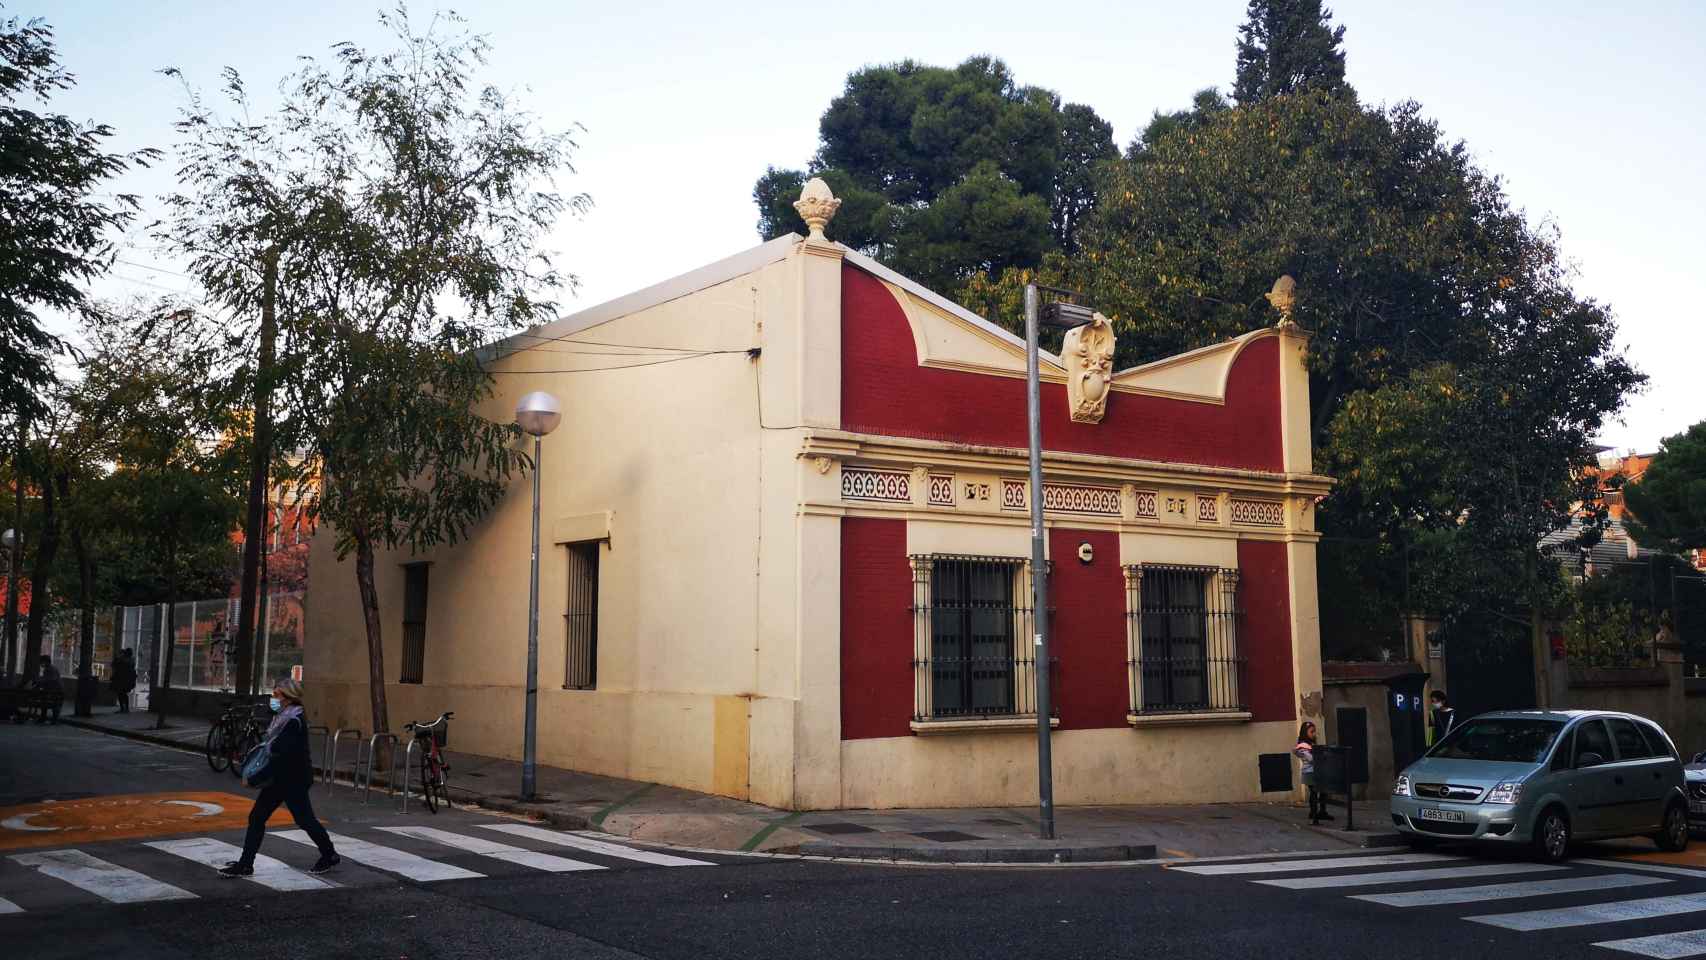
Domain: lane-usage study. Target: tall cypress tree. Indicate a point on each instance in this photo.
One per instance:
(1287, 45)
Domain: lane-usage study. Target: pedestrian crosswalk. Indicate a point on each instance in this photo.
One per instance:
(1619, 892)
(185, 868)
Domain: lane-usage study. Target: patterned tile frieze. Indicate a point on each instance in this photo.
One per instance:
(1013, 495)
(941, 490)
(858, 483)
(1146, 504)
(1258, 513)
(1208, 509)
(1081, 498)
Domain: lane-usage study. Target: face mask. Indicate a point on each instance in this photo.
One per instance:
(274, 704)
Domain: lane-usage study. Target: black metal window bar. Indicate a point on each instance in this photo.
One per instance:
(414, 622)
(972, 626)
(580, 618)
(1183, 639)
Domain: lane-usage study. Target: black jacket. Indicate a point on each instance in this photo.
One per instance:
(292, 762)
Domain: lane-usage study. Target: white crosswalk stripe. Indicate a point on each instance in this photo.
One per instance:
(595, 846)
(1689, 943)
(109, 881)
(1508, 891)
(388, 859)
(1324, 863)
(495, 850)
(274, 874)
(7, 906)
(1408, 876)
(1615, 912)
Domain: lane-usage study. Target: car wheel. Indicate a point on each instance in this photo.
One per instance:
(1673, 835)
(1552, 835)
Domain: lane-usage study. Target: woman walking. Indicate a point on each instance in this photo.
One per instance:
(1305, 752)
(291, 774)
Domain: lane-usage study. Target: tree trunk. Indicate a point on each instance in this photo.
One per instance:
(370, 614)
(46, 549)
(163, 659)
(85, 705)
(255, 524)
(17, 558)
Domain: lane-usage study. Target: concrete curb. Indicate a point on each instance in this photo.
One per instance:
(137, 735)
(1101, 853)
(1358, 838)
(557, 818)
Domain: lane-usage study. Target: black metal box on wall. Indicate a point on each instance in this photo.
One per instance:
(1275, 772)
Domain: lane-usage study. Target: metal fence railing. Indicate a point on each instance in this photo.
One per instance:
(1184, 645)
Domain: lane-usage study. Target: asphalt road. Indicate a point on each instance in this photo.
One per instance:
(535, 896)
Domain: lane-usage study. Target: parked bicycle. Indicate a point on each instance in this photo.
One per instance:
(432, 737)
(233, 735)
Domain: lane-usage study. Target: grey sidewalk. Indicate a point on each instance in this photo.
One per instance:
(662, 814)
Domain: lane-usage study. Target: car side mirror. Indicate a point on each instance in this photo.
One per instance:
(1589, 760)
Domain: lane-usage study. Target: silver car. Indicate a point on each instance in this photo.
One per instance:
(1544, 778)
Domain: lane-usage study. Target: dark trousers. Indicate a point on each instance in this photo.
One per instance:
(296, 799)
(1317, 804)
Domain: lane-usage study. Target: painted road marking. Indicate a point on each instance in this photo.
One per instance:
(1508, 891)
(109, 881)
(1689, 943)
(68, 823)
(387, 859)
(7, 906)
(1409, 876)
(1329, 863)
(595, 846)
(275, 874)
(1596, 913)
(495, 850)
(1645, 867)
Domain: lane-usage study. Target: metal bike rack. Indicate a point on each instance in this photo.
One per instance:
(408, 764)
(364, 757)
(338, 738)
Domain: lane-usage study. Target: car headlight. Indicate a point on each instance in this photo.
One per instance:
(1401, 786)
(1505, 791)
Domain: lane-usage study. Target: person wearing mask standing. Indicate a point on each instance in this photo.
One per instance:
(1443, 715)
(292, 772)
(1305, 753)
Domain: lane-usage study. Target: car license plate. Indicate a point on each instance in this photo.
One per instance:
(1449, 816)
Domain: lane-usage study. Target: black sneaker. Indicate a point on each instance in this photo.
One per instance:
(325, 864)
(235, 869)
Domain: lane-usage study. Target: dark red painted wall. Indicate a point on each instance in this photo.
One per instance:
(1090, 685)
(885, 391)
(1265, 588)
(876, 629)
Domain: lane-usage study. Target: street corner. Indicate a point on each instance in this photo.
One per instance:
(85, 820)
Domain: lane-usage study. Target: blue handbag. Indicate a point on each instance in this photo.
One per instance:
(257, 765)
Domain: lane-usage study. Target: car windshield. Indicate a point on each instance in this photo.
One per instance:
(1503, 739)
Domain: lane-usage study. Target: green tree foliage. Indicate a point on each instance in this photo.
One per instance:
(945, 174)
(1668, 503)
(54, 229)
(1285, 46)
(404, 203)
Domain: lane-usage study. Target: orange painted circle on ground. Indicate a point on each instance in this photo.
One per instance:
(66, 823)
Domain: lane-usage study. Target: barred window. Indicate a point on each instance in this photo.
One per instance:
(581, 618)
(1182, 637)
(972, 624)
(414, 622)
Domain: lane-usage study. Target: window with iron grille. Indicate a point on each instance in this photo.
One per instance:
(1183, 639)
(414, 622)
(581, 618)
(972, 622)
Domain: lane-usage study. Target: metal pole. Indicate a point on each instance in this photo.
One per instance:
(1039, 572)
(530, 723)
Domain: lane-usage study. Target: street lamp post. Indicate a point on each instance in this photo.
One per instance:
(537, 414)
(13, 544)
(1059, 315)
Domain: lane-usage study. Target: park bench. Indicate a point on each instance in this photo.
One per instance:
(26, 703)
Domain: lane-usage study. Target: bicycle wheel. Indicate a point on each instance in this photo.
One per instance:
(241, 744)
(430, 781)
(218, 751)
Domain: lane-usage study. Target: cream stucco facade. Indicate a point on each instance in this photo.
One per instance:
(716, 485)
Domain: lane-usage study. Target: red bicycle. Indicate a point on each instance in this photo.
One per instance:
(433, 768)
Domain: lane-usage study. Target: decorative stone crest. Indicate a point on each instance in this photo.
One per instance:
(1284, 299)
(817, 206)
(1089, 354)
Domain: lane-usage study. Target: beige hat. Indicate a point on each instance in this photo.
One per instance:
(290, 688)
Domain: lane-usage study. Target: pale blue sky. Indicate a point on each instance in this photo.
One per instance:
(1592, 114)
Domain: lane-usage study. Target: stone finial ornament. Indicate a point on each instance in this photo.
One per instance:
(817, 206)
(1088, 352)
(1284, 298)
